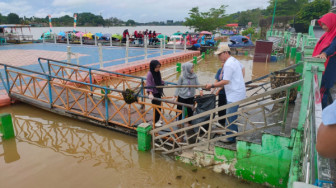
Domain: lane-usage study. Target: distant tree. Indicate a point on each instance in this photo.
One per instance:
(13, 18)
(253, 16)
(285, 7)
(208, 21)
(130, 23)
(312, 10)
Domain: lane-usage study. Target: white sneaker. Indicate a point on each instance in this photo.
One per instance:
(160, 121)
(158, 124)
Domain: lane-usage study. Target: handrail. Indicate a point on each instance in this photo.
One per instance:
(88, 84)
(91, 68)
(209, 112)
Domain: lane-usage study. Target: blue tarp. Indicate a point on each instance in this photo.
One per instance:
(240, 41)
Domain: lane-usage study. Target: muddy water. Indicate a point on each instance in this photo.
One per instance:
(54, 151)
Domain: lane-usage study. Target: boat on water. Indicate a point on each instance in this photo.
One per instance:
(13, 33)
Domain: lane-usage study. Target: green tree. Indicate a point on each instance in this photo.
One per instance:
(312, 10)
(208, 21)
(285, 7)
(131, 23)
(13, 18)
(249, 16)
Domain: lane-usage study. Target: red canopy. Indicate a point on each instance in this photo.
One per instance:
(231, 25)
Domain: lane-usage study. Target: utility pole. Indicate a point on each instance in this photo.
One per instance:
(273, 17)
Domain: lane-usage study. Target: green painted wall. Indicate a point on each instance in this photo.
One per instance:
(267, 163)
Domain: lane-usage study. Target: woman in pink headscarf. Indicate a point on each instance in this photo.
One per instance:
(326, 49)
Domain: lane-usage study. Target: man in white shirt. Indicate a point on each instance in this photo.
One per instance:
(234, 85)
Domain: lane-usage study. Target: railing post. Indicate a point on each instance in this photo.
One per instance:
(185, 44)
(106, 106)
(111, 41)
(95, 38)
(127, 45)
(145, 40)
(209, 130)
(7, 78)
(142, 93)
(90, 76)
(69, 54)
(55, 40)
(164, 42)
(49, 70)
(161, 45)
(100, 50)
(81, 39)
(67, 37)
(174, 45)
(307, 84)
(50, 92)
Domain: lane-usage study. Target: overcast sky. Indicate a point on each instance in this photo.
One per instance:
(138, 10)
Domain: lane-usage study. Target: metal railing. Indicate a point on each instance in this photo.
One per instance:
(176, 137)
(315, 169)
(51, 91)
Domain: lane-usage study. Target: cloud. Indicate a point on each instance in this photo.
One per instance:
(18, 7)
(140, 11)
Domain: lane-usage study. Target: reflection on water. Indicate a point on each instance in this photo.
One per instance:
(55, 151)
(10, 153)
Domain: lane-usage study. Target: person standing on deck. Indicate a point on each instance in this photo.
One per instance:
(150, 37)
(326, 49)
(154, 79)
(234, 85)
(187, 95)
(125, 33)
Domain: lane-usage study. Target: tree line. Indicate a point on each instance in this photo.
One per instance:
(287, 12)
(83, 19)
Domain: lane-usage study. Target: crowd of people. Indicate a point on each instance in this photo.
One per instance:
(140, 35)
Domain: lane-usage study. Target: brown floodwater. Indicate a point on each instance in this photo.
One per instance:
(50, 150)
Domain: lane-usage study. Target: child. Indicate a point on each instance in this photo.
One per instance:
(186, 95)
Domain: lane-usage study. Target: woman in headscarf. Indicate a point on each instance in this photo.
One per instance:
(154, 79)
(187, 95)
(326, 49)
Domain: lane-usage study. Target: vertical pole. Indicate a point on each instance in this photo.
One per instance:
(67, 37)
(81, 39)
(55, 40)
(164, 42)
(50, 93)
(49, 70)
(111, 40)
(161, 45)
(174, 45)
(106, 106)
(185, 44)
(43, 40)
(273, 16)
(146, 47)
(209, 130)
(7, 79)
(90, 75)
(127, 45)
(95, 40)
(100, 49)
